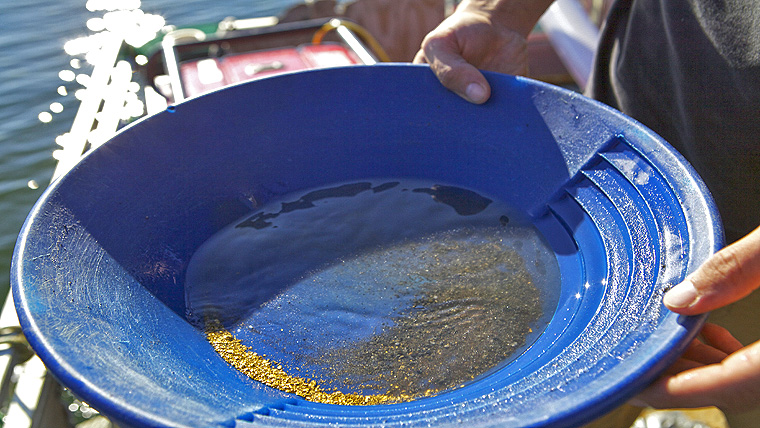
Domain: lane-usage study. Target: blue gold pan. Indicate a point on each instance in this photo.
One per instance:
(206, 215)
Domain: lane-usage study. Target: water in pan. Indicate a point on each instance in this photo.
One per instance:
(373, 292)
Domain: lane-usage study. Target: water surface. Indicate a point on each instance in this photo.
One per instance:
(32, 38)
(399, 287)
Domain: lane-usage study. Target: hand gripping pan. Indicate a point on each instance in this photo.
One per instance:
(100, 270)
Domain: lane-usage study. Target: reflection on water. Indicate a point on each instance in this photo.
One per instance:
(464, 202)
(400, 289)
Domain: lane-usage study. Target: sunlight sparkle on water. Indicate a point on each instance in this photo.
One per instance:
(45, 117)
(133, 25)
(67, 75)
(80, 94)
(83, 79)
(116, 23)
(96, 24)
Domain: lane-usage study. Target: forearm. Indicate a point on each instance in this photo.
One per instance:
(519, 15)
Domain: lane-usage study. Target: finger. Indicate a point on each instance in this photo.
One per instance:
(419, 57)
(681, 365)
(702, 354)
(455, 72)
(732, 385)
(720, 338)
(729, 275)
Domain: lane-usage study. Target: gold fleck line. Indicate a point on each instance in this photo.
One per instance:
(271, 374)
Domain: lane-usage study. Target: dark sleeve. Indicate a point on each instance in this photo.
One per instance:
(690, 71)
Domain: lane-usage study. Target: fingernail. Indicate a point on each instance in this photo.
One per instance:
(682, 295)
(475, 93)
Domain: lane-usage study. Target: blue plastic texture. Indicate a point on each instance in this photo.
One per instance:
(99, 267)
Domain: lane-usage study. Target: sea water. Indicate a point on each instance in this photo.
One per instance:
(399, 287)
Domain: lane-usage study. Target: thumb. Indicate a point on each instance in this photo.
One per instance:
(727, 276)
(455, 73)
